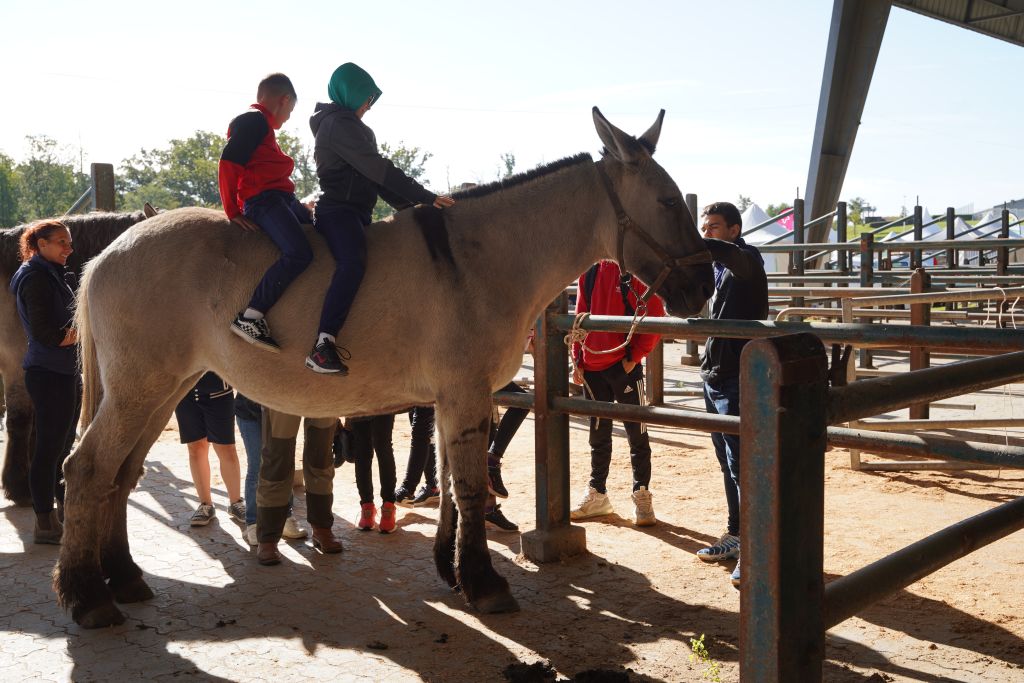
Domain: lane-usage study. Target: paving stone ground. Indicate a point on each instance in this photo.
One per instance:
(378, 611)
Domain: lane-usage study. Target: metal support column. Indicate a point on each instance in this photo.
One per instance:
(554, 537)
(783, 398)
(102, 187)
(692, 356)
(915, 253)
(920, 314)
(951, 255)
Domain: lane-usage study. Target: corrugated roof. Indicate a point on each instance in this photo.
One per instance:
(1003, 19)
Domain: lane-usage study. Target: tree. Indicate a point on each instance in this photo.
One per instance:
(859, 208)
(47, 182)
(508, 160)
(410, 160)
(304, 175)
(775, 209)
(744, 203)
(8, 193)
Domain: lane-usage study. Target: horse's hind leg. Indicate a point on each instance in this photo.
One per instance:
(444, 541)
(92, 493)
(124, 576)
(19, 442)
(465, 424)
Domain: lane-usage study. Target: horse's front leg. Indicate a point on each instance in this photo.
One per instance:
(465, 424)
(20, 439)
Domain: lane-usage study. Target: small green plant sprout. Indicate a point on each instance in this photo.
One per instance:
(712, 669)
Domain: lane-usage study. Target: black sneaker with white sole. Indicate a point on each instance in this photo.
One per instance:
(324, 359)
(256, 332)
(494, 483)
(498, 520)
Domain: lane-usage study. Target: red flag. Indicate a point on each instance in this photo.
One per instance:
(786, 222)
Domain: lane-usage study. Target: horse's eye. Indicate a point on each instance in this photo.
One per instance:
(669, 202)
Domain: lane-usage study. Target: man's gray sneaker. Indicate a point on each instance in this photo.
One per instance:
(727, 547)
(256, 332)
(236, 510)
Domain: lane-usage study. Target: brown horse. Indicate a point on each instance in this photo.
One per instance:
(91, 234)
(440, 318)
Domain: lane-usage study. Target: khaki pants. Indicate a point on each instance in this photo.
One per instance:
(277, 467)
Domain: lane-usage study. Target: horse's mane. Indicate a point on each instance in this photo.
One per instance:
(520, 178)
(91, 233)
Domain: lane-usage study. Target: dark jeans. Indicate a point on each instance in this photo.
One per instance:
(507, 427)
(422, 453)
(723, 398)
(613, 384)
(369, 435)
(57, 400)
(281, 216)
(344, 230)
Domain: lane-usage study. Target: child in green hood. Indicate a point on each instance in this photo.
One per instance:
(352, 175)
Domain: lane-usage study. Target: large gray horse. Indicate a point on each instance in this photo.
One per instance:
(91, 233)
(440, 318)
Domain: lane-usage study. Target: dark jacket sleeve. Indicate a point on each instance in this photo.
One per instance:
(743, 264)
(37, 294)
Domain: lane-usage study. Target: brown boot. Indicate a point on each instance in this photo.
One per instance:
(267, 554)
(48, 528)
(325, 542)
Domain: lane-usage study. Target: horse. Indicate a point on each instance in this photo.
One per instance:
(90, 233)
(439, 319)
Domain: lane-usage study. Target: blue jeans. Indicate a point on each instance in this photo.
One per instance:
(280, 215)
(724, 399)
(344, 229)
(252, 439)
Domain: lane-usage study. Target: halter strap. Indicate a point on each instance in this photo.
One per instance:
(627, 224)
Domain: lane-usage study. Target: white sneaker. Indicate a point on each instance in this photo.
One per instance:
(250, 535)
(292, 530)
(593, 504)
(643, 508)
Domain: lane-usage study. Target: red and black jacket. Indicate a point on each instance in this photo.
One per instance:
(252, 162)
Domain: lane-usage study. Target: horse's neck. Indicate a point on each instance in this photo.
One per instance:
(558, 227)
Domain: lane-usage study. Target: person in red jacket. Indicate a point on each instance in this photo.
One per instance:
(614, 376)
(258, 194)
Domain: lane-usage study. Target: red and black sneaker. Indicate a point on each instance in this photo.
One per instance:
(324, 359)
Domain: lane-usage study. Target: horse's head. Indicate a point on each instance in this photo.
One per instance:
(658, 240)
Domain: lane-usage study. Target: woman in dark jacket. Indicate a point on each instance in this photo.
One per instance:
(46, 305)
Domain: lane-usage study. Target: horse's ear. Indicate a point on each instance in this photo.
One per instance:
(650, 139)
(148, 209)
(618, 145)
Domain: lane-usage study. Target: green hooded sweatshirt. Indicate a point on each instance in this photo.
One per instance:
(351, 86)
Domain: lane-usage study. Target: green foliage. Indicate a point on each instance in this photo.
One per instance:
(304, 175)
(858, 208)
(743, 203)
(508, 160)
(47, 183)
(410, 160)
(8, 192)
(775, 209)
(712, 669)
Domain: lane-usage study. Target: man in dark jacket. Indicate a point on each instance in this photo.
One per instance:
(741, 293)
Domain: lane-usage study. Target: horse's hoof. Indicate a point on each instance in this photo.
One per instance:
(101, 617)
(496, 604)
(135, 590)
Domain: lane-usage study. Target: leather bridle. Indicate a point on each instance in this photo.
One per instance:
(627, 224)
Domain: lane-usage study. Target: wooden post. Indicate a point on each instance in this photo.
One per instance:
(844, 258)
(867, 277)
(655, 380)
(796, 265)
(915, 253)
(783, 403)
(554, 537)
(1003, 254)
(920, 314)
(102, 187)
(952, 256)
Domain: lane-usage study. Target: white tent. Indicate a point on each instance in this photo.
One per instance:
(970, 258)
(754, 216)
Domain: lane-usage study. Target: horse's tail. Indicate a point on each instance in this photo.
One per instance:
(92, 389)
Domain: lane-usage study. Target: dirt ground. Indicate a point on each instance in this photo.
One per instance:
(378, 611)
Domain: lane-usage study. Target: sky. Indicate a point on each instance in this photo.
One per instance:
(470, 81)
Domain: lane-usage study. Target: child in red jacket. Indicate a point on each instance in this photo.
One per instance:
(258, 194)
(616, 376)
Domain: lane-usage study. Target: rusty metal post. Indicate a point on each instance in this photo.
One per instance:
(920, 314)
(952, 256)
(102, 187)
(554, 537)
(1003, 254)
(783, 394)
(655, 375)
(867, 276)
(796, 263)
(915, 253)
(844, 258)
(692, 356)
